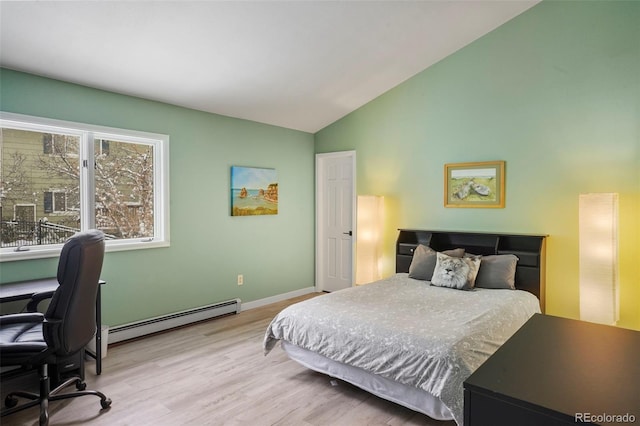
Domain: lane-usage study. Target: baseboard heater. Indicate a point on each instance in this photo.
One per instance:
(165, 322)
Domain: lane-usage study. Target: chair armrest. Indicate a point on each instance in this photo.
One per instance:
(36, 298)
(27, 317)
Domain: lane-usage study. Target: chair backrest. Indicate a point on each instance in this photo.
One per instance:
(71, 316)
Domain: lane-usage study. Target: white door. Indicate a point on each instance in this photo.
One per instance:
(335, 220)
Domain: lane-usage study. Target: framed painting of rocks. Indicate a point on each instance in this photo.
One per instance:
(254, 191)
(474, 184)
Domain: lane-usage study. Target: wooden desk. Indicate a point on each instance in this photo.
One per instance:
(24, 290)
(557, 371)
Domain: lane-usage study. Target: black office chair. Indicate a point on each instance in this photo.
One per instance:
(35, 340)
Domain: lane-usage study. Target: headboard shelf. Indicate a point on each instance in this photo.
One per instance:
(529, 248)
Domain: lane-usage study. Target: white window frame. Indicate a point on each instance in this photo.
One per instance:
(33, 206)
(88, 133)
(55, 152)
(54, 206)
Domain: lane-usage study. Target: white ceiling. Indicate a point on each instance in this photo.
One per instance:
(296, 64)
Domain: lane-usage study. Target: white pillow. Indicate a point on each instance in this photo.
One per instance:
(453, 272)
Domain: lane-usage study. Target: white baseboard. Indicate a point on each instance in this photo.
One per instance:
(165, 322)
(169, 321)
(278, 298)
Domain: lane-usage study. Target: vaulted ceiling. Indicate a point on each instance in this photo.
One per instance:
(296, 64)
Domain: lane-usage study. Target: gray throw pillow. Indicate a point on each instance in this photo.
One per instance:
(497, 272)
(454, 272)
(424, 261)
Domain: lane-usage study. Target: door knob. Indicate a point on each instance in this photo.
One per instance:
(348, 233)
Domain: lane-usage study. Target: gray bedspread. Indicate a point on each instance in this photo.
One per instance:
(405, 330)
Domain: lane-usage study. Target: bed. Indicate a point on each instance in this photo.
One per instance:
(412, 342)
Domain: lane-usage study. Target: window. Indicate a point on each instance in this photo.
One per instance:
(102, 148)
(58, 201)
(64, 145)
(24, 212)
(55, 202)
(74, 177)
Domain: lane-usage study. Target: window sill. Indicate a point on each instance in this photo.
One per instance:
(9, 255)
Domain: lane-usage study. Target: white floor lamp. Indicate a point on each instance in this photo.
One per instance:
(598, 233)
(369, 238)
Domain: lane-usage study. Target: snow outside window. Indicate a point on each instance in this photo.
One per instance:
(80, 177)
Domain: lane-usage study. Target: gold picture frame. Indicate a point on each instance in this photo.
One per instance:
(477, 185)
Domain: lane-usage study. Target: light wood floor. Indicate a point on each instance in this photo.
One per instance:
(214, 373)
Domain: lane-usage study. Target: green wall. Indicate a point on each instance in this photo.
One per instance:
(556, 94)
(209, 248)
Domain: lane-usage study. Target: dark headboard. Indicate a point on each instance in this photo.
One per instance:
(530, 249)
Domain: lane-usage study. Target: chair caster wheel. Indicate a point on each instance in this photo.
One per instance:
(105, 403)
(10, 402)
(81, 385)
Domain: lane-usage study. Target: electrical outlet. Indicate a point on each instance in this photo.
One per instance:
(240, 279)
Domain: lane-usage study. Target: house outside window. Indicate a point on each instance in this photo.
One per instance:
(56, 202)
(76, 177)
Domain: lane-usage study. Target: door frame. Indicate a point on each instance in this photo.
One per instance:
(320, 188)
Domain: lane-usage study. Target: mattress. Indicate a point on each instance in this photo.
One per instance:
(407, 331)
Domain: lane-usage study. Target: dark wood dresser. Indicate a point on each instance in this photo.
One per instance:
(557, 371)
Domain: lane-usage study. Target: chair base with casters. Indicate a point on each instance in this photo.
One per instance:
(46, 395)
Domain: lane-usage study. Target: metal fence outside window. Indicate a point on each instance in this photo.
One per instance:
(25, 233)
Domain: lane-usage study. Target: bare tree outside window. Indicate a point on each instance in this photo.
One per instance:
(38, 180)
(15, 185)
(43, 170)
(124, 188)
(59, 163)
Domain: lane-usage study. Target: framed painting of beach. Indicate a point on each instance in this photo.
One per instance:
(474, 184)
(254, 191)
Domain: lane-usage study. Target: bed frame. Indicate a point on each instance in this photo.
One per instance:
(530, 249)
(530, 274)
